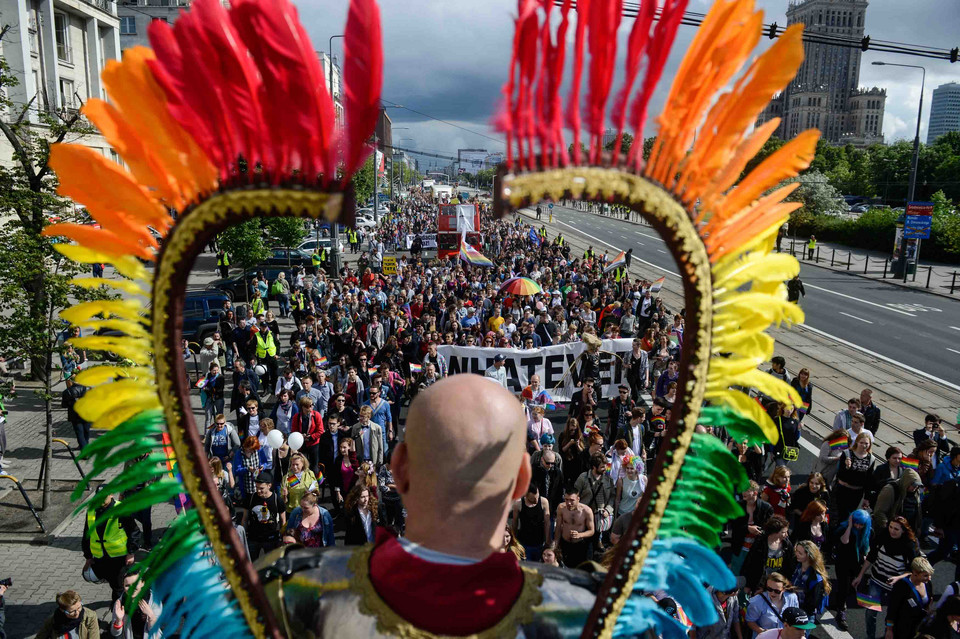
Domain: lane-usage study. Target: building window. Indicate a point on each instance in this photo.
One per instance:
(66, 94)
(61, 28)
(128, 25)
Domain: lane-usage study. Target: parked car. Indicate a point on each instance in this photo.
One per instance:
(201, 314)
(365, 223)
(288, 257)
(308, 246)
(236, 286)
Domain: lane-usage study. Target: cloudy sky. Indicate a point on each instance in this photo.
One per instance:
(448, 59)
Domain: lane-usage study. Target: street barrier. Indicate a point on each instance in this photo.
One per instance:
(26, 498)
(43, 463)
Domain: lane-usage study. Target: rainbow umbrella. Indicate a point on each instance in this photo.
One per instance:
(520, 286)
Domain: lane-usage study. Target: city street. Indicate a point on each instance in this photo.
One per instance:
(908, 327)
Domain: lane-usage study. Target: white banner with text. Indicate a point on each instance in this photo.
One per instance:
(554, 365)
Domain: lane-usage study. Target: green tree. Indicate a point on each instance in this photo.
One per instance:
(245, 246)
(35, 280)
(625, 144)
(945, 226)
(286, 232)
(819, 197)
(363, 181)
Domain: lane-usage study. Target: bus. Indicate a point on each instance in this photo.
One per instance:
(455, 220)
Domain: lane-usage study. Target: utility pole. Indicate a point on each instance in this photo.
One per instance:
(334, 225)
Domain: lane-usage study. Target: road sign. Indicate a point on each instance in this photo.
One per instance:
(918, 220)
(550, 205)
(389, 266)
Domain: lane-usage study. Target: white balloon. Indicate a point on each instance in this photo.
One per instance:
(275, 439)
(260, 369)
(295, 441)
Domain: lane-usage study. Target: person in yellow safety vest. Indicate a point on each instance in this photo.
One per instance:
(560, 240)
(223, 263)
(256, 305)
(323, 256)
(316, 260)
(109, 545)
(297, 304)
(811, 247)
(267, 354)
(589, 254)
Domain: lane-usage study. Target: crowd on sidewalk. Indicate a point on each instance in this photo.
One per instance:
(304, 393)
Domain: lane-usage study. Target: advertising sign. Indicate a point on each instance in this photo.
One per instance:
(389, 265)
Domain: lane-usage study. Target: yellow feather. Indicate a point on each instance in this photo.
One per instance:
(124, 411)
(127, 309)
(102, 399)
(765, 383)
(759, 267)
(127, 266)
(743, 344)
(100, 374)
(746, 407)
(133, 329)
(94, 283)
(137, 350)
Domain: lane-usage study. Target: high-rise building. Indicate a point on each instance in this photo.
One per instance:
(56, 50)
(825, 93)
(944, 111)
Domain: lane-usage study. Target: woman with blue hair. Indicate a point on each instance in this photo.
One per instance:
(852, 545)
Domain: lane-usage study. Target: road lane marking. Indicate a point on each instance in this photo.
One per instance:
(857, 299)
(889, 360)
(856, 318)
(597, 239)
(661, 250)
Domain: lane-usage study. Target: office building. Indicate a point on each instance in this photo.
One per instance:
(944, 111)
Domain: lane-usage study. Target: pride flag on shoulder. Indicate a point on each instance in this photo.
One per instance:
(841, 441)
(472, 256)
(910, 462)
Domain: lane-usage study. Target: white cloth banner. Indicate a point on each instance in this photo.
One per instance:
(427, 241)
(551, 363)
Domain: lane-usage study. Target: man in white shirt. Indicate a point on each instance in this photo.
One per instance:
(498, 372)
(857, 427)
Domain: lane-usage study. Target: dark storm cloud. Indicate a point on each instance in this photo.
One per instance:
(448, 58)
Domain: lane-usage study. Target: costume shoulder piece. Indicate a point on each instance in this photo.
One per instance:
(334, 592)
(227, 118)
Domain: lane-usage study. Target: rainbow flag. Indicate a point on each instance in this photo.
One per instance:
(472, 256)
(182, 501)
(319, 476)
(657, 285)
(618, 261)
(547, 401)
(292, 481)
(805, 408)
(200, 382)
(910, 462)
(415, 368)
(372, 369)
(868, 602)
(591, 429)
(840, 441)
(322, 361)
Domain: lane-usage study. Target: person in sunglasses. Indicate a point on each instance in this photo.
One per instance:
(765, 609)
(70, 619)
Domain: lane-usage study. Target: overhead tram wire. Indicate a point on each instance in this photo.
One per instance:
(773, 30)
(463, 128)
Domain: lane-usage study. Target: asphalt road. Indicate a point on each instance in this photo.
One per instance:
(909, 327)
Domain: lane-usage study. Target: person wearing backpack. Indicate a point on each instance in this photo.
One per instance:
(810, 580)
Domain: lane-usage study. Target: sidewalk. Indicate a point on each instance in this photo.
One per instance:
(936, 278)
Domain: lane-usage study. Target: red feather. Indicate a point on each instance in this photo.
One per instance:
(363, 79)
(604, 21)
(189, 108)
(506, 121)
(298, 111)
(529, 28)
(636, 49)
(659, 49)
(573, 101)
(556, 79)
(543, 79)
(238, 80)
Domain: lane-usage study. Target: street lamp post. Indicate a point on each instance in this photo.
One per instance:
(392, 157)
(335, 258)
(911, 190)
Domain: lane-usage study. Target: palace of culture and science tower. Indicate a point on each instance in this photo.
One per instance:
(825, 94)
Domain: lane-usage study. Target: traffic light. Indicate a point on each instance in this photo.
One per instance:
(865, 43)
(954, 54)
(772, 33)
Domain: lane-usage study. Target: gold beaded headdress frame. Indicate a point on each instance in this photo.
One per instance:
(718, 225)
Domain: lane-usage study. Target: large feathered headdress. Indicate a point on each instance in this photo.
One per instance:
(719, 225)
(227, 118)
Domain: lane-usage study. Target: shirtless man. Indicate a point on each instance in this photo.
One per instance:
(574, 529)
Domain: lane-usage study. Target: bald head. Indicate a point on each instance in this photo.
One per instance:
(463, 456)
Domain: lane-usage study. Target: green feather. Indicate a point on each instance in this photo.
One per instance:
(739, 427)
(146, 424)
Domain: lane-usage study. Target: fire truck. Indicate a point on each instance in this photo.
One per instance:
(454, 220)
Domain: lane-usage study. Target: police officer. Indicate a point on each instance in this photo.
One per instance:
(223, 263)
(109, 545)
(267, 354)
